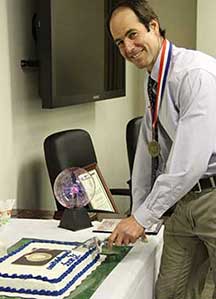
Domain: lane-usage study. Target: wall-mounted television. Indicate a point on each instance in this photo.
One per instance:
(78, 62)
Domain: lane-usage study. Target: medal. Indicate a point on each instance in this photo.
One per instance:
(154, 148)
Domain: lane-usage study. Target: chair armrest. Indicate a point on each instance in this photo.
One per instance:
(123, 192)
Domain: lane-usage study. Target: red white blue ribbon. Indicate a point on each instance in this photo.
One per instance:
(162, 76)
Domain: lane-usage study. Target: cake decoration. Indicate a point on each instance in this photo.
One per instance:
(47, 268)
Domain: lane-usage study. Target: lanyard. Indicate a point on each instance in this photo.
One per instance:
(162, 77)
(154, 146)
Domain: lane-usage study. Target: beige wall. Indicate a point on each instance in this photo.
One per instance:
(179, 20)
(7, 168)
(24, 125)
(206, 37)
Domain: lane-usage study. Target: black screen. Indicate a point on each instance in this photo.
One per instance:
(78, 61)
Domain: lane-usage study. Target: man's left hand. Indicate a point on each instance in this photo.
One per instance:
(127, 231)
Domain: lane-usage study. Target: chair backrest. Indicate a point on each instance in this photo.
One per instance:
(70, 148)
(132, 133)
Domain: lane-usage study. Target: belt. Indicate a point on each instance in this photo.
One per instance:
(205, 183)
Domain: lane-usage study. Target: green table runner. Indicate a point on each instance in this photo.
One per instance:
(92, 282)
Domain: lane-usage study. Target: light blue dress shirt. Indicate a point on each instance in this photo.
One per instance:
(187, 135)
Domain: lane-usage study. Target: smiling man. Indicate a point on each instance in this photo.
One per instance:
(136, 43)
(175, 162)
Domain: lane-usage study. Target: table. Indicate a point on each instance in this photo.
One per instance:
(134, 277)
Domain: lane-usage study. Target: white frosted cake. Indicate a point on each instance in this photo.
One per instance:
(46, 269)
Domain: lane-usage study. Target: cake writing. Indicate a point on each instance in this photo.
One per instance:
(71, 258)
(57, 260)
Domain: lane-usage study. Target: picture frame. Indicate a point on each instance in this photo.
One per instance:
(102, 200)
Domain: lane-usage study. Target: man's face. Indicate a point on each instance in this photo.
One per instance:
(135, 42)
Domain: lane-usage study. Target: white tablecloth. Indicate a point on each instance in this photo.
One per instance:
(134, 277)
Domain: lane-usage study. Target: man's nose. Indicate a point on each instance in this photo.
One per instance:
(129, 45)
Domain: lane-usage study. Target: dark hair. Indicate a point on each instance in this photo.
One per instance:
(143, 11)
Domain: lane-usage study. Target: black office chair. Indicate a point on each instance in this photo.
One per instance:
(71, 148)
(132, 133)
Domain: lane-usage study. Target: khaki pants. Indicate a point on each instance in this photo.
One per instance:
(189, 247)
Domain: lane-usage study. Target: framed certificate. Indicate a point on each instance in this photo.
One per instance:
(102, 198)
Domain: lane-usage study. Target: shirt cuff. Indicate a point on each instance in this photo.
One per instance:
(145, 217)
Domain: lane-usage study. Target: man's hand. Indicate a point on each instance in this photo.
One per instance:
(127, 231)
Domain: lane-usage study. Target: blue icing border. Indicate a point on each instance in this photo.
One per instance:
(44, 278)
(35, 241)
(51, 293)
